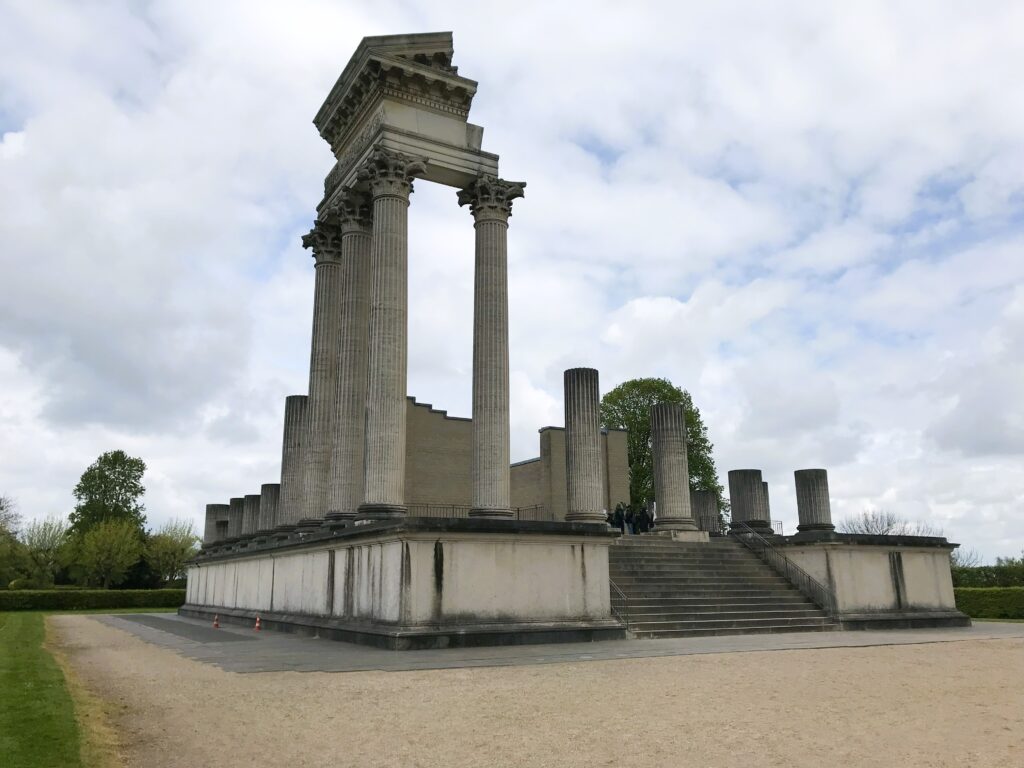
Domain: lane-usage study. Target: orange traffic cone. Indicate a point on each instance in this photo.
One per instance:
(216, 621)
(257, 627)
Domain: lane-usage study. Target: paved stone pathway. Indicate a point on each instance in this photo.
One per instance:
(282, 652)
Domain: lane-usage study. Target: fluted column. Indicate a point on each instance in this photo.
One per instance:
(813, 507)
(490, 202)
(389, 176)
(236, 509)
(270, 496)
(705, 511)
(749, 504)
(250, 513)
(210, 524)
(671, 474)
(353, 349)
(322, 409)
(583, 475)
(289, 509)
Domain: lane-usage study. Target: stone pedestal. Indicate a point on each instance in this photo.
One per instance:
(584, 480)
(490, 202)
(671, 474)
(354, 305)
(749, 505)
(289, 510)
(270, 496)
(322, 407)
(704, 505)
(389, 176)
(236, 510)
(813, 507)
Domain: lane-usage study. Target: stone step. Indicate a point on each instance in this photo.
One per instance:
(696, 580)
(682, 603)
(683, 569)
(689, 632)
(744, 623)
(641, 617)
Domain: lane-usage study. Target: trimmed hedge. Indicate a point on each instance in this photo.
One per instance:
(71, 600)
(991, 602)
(990, 576)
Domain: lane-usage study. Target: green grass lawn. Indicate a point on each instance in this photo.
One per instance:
(37, 715)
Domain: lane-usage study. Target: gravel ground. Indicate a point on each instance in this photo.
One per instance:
(945, 704)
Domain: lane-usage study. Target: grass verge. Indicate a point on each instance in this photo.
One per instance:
(37, 715)
(48, 719)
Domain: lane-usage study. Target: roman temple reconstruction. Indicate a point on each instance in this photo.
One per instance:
(397, 525)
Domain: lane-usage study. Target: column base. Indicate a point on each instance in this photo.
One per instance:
(676, 524)
(503, 513)
(762, 527)
(308, 525)
(338, 520)
(587, 517)
(804, 527)
(380, 511)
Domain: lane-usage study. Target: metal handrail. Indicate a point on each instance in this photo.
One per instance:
(820, 594)
(623, 617)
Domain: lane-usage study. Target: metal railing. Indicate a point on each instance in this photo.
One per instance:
(818, 593)
(536, 512)
(620, 612)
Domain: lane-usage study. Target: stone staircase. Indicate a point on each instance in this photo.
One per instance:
(682, 589)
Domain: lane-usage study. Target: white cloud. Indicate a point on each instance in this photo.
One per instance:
(809, 216)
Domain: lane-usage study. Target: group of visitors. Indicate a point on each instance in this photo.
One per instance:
(632, 518)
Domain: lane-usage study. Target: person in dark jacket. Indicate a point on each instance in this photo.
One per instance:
(619, 518)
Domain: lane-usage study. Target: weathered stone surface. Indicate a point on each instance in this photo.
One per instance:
(813, 507)
(346, 492)
(215, 513)
(704, 505)
(584, 480)
(490, 202)
(270, 496)
(236, 509)
(290, 508)
(749, 505)
(322, 407)
(671, 474)
(250, 513)
(389, 176)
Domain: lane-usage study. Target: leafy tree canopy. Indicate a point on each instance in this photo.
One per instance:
(110, 489)
(108, 550)
(10, 520)
(170, 548)
(628, 406)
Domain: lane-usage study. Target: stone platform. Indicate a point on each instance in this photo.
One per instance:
(417, 583)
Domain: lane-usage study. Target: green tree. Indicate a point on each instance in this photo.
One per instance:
(628, 407)
(110, 489)
(45, 541)
(108, 550)
(170, 548)
(10, 520)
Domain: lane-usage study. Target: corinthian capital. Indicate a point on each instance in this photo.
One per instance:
(353, 211)
(324, 238)
(391, 173)
(491, 198)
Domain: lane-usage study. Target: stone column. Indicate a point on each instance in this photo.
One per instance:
(812, 502)
(350, 433)
(210, 524)
(671, 475)
(270, 496)
(389, 176)
(746, 494)
(705, 511)
(250, 513)
(289, 509)
(235, 513)
(767, 500)
(583, 478)
(490, 202)
(322, 408)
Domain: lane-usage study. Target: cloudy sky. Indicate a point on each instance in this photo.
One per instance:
(809, 215)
